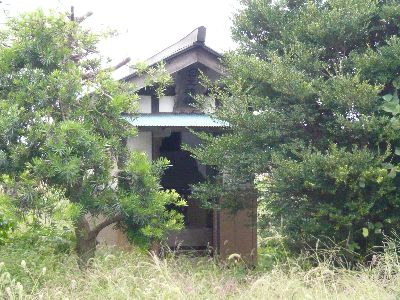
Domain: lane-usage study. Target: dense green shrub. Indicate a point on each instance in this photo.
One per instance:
(307, 96)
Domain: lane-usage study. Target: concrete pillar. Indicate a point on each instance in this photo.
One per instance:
(236, 233)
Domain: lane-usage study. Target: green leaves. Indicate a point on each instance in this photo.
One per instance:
(150, 211)
(303, 96)
(61, 132)
(7, 218)
(372, 229)
(391, 104)
(379, 67)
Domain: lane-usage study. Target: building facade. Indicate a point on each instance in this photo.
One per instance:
(164, 125)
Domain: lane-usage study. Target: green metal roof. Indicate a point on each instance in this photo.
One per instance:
(174, 120)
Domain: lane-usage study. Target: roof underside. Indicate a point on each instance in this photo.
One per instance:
(174, 120)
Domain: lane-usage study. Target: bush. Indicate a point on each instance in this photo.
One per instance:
(338, 196)
(311, 99)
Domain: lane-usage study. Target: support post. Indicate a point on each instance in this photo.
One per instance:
(236, 233)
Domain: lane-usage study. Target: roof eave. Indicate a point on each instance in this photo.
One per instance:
(165, 60)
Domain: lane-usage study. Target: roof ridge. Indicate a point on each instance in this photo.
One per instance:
(197, 36)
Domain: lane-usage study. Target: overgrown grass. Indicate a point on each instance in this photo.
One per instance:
(136, 275)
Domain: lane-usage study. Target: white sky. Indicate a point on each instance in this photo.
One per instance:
(145, 27)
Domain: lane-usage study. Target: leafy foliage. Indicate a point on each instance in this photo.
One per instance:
(61, 131)
(7, 218)
(145, 203)
(303, 97)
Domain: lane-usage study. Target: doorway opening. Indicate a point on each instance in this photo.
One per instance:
(183, 172)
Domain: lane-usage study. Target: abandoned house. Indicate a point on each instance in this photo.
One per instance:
(163, 127)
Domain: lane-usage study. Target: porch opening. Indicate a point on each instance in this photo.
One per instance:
(183, 172)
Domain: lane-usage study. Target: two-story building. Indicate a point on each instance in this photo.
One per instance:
(164, 125)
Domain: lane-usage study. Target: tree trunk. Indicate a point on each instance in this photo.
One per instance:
(85, 242)
(86, 238)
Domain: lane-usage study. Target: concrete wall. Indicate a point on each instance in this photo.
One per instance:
(231, 233)
(109, 236)
(144, 104)
(190, 237)
(189, 138)
(166, 104)
(142, 142)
